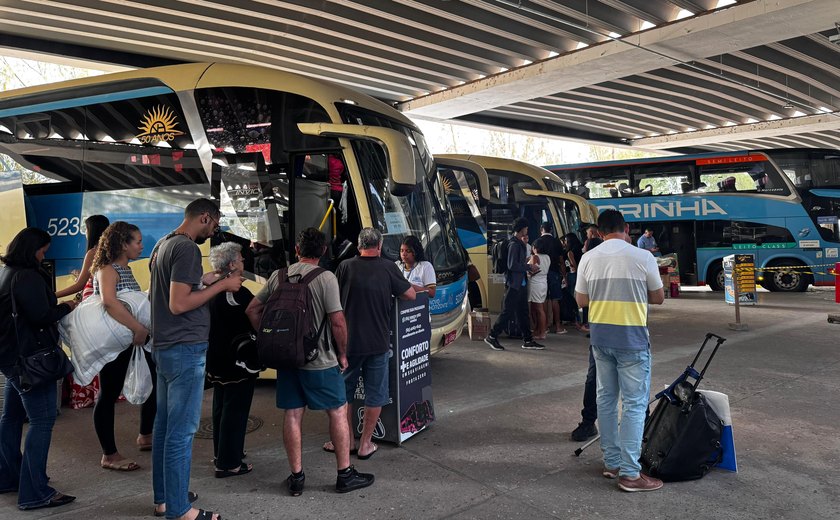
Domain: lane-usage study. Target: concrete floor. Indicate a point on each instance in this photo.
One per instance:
(500, 447)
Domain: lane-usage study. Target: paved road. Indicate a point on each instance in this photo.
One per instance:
(500, 447)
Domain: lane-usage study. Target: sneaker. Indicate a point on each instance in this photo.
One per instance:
(610, 472)
(494, 343)
(642, 483)
(295, 484)
(351, 480)
(532, 345)
(584, 432)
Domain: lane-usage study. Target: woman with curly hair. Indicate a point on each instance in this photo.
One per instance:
(120, 243)
(419, 272)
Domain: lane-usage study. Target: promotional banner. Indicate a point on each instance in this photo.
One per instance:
(411, 408)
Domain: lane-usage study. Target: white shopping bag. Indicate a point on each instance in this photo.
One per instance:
(720, 404)
(138, 379)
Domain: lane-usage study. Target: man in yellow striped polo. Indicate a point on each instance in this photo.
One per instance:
(617, 282)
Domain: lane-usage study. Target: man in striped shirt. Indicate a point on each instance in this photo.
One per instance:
(617, 282)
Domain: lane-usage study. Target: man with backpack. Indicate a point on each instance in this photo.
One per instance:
(316, 383)
(515, 302)
(368, 285)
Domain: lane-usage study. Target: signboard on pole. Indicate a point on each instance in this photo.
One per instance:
(411, 408)
(740, 269)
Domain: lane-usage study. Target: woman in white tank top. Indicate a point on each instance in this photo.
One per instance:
(538, 290)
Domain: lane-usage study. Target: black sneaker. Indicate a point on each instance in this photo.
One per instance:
(584, 432)
(295, 484)
(494, 343)
(532, 345)
(351, 480)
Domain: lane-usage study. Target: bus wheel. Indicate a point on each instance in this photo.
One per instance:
(786, 280)
(715, 280)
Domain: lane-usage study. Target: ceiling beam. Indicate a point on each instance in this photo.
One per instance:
(762, 129)
(83, 56)
(738, 27)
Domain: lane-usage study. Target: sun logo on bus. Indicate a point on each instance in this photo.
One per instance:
(159, 124)
(447, 185)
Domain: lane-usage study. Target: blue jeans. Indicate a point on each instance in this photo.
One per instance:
(180, 389)
(626, 372)
(26, 473)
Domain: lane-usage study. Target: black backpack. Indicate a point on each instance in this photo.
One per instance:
(499, 255)
(284, 337)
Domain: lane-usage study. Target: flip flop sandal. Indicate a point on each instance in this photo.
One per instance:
(369, 455)
(123, 465)
(192, 497)
(331, 448)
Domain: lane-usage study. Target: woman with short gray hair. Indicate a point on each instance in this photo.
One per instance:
(224, 254)
(233, 385)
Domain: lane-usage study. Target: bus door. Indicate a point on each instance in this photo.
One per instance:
(468, 190)
(574, 211)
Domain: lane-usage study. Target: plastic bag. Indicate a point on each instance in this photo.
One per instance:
(138, 379)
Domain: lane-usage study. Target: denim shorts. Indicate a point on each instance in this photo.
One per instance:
(316, 389)
(374, 370)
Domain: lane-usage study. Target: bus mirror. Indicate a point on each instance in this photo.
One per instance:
(471, 168)
(398, 150)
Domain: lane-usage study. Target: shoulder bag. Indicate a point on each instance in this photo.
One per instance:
(47, 364)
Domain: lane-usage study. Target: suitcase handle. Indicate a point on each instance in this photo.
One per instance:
(690, 371)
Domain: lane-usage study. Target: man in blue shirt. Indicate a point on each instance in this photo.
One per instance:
(646, 241)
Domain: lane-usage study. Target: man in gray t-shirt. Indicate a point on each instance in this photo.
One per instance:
(180, 327)
(318, 384)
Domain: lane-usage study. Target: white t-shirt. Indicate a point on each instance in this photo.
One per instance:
(422, 274)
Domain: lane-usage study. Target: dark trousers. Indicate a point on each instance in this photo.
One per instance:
(111, 380)
(590, 406)
(231, 405)
(515, 303)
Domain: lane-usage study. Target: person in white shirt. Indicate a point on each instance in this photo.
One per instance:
(538, 289)
(414, 267)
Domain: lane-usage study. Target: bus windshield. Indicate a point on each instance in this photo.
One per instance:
(423, 213)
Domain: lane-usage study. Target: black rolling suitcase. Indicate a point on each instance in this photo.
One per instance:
(681, 440)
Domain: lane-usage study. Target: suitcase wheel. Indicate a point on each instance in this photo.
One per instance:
(716, 444)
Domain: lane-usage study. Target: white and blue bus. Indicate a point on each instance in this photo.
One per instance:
(140, 145)
(780, 205)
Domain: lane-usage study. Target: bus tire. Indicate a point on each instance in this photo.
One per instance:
(715, 278)
(780, 280)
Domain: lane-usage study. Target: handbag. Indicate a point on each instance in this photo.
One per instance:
(46, 365)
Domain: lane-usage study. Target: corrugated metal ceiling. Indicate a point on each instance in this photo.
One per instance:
(670, 74)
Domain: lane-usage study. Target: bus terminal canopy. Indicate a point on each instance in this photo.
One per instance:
(679, 75)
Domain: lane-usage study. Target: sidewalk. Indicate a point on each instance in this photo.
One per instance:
(500, 445)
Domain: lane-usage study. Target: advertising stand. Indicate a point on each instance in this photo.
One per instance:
(739, 285)
(739, 274)
(411, 408)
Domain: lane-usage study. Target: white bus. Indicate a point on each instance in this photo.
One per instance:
(140, 145)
